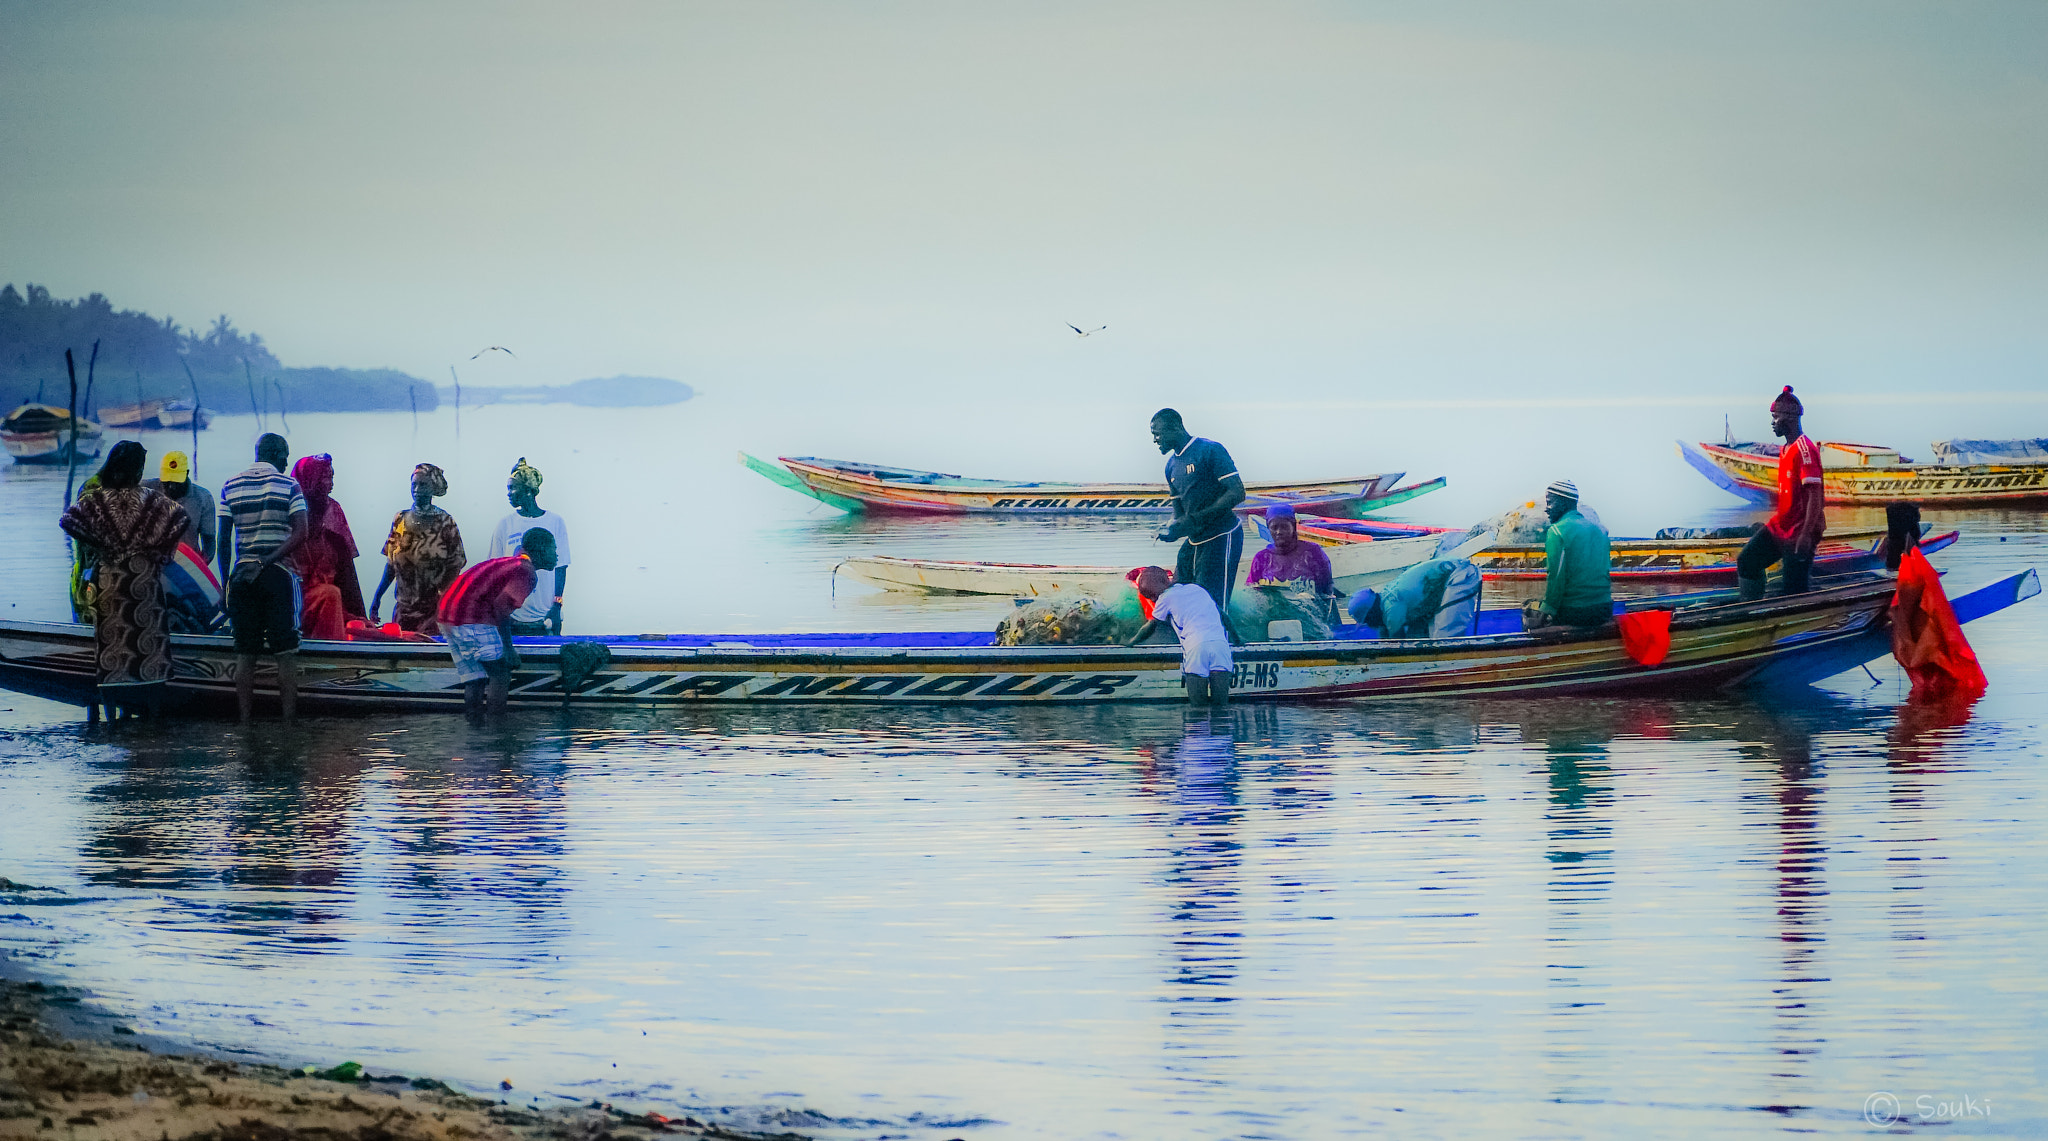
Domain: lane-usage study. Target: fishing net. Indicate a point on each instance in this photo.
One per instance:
(1252, 608)
(1524, 526)
(579, 662)
(1077, 619)
(1743, 531)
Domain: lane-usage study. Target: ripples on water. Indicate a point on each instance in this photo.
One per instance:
(1544, 917)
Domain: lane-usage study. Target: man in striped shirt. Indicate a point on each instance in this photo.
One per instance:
(263, 519)
(475, 612)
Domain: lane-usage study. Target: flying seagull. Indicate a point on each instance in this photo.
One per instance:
(1087, 332)
(509, 352)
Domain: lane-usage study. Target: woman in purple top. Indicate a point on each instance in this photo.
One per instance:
(1287, 558)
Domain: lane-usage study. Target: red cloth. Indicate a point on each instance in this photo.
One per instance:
(1926, 638)
(487, 593)
(328, 556)
(1646, 635)
(1799, 478)
(361, 631)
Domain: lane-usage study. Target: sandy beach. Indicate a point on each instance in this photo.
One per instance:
(69, 1070)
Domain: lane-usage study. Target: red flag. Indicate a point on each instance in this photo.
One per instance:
(1646, 635)
(1927, 639)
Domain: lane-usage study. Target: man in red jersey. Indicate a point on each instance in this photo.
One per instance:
(1793, 532)
(474, 612)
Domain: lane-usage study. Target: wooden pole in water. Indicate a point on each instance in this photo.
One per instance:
(71, 462)
(281, 411)
(253, 410)
(194, 382)
(91, 366)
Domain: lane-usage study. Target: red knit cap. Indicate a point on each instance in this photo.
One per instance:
(1786, 402)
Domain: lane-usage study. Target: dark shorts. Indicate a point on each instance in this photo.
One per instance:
(1212, 565)
(265, 612)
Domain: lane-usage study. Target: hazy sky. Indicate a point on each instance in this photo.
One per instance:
(1359, 201)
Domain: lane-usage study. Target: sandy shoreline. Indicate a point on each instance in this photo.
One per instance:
(69, 1070)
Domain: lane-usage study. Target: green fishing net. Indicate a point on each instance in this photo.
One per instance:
(1253, 607)
(1072, 619)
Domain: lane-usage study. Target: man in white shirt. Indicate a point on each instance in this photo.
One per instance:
(1205, 664)
(541, 613)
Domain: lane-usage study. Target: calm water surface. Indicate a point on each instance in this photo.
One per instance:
(1542, 918)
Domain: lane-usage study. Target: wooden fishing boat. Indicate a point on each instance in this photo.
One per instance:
(44, 434)
(1661, 560)
(1869, 476)
(138, 416)
(868, 487)
(1715, 643)
(180, 415)
(1352, 566)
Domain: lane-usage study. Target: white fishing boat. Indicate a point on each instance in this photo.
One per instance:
(179, 414)
(44, 434)
(1353, 566)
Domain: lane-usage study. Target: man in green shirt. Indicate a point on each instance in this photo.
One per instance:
(1576, 567)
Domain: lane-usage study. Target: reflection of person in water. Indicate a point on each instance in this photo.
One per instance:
(1802, 857)
(1207, 922)
(448, 851)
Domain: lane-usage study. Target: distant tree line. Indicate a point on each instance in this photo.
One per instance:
(144, 358)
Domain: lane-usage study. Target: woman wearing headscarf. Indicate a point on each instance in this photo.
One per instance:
(423, 554)
(326, 562)
(132, 532)
(1287, 558)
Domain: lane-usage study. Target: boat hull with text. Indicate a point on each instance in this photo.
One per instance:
(873, 488)
(1750, 470)
(1715, 643)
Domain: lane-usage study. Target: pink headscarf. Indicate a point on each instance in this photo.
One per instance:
(315, 476)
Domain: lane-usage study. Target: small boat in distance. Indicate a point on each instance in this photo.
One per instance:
(1871, 476)
(180, 414)
(44, 434)
(141, 415)
(857, 487)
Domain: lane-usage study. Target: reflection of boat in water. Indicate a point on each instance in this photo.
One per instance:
(1352, 565)
(1996, 471)
(1716, 642)
(43, 434)
(1689, 560)
(869, 487)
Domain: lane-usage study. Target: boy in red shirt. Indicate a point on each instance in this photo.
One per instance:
(1794, 530)
(474, 612)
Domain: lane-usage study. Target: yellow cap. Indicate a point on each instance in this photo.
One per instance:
(176, 468)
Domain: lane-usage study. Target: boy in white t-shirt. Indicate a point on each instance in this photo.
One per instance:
(1205, 664)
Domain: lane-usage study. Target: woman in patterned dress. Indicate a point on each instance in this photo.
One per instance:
(132, 532)
(423, 555)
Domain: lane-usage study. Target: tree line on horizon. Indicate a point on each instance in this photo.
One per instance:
(142, 357)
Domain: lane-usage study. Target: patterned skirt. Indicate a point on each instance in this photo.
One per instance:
(128, 622)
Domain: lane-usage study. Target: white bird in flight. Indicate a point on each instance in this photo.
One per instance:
(1085, 332)
(497, 349)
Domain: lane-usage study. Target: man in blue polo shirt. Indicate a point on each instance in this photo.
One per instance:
(1206, 488)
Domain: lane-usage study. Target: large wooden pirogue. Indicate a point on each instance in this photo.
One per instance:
(871, 487)
(1869, 476)
(1715, 643)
